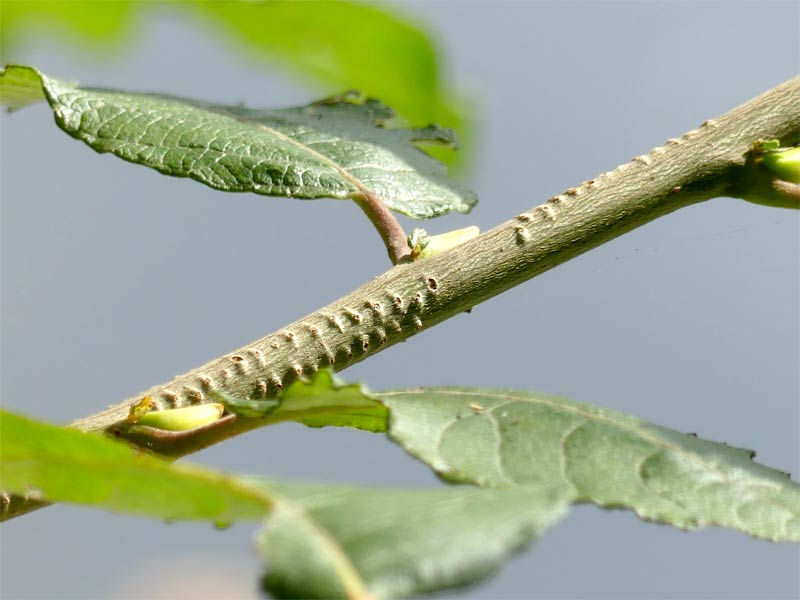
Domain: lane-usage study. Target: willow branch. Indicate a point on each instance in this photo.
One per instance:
(704, 163)
(409, 298)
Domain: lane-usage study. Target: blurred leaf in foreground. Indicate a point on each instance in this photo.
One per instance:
(69, 466)
(325, 541)
(319, 541)
(344, 45)
(96, 24)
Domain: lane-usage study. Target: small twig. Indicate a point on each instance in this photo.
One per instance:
(389, 228)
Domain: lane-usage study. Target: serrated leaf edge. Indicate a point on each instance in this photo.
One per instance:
(575, 408)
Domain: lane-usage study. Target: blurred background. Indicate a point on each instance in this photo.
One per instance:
(115, 278)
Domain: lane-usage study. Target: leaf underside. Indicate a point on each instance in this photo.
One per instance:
(503, 438)
(319, 541)
(325, 541)
(65, 465)
(530, 455)
(337, 148)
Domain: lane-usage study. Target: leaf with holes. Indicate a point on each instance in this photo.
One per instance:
(501, 438)
(323, 541)
(341, 147)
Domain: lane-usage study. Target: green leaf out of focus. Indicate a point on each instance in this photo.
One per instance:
(96, 24)
(20, 87)
(336, 148)
(342, 45)
(318, 541)
(532, 455)
(324, 541)
(503, 438)
(85, 468)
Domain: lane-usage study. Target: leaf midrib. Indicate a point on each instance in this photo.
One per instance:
(349, 576)
(359, 185)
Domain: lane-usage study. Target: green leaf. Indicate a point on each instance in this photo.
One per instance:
(66, 465)
(343, 44)
(317, 402)
(20, 86)
(319, 540)
(335, 148)
(98, 24)
(501, 438)
(325, 541)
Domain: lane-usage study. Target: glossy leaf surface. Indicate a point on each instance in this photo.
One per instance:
(336, 148)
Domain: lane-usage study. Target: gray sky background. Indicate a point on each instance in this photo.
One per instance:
(126, 278)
